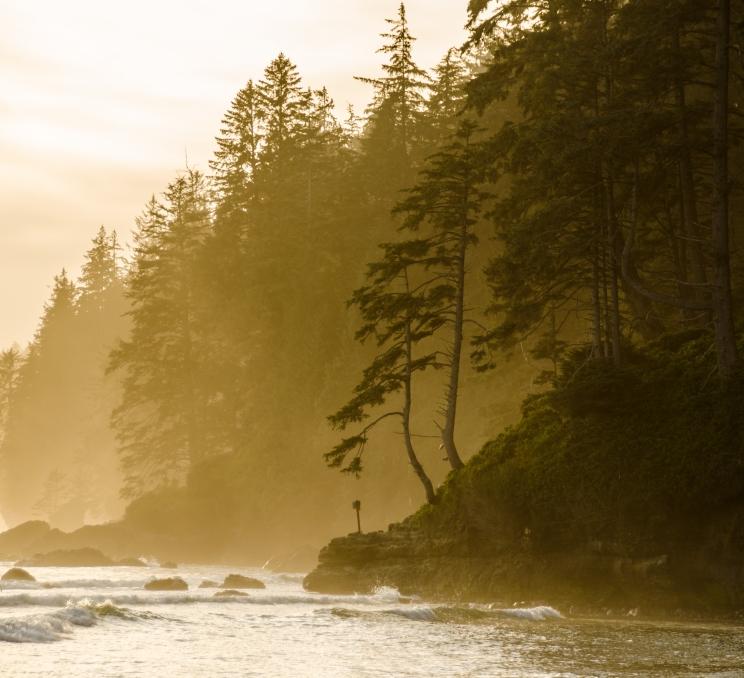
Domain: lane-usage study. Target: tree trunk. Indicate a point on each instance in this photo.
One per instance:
(614, 310)
(687, 186)
(418, 469)
(448, 431)
(722, 305)
(596, 310)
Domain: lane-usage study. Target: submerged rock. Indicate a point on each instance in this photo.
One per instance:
(85, 557)
(238, 581)
(168, 565)
(209, 584)
(229, 593)
(168, 584)
(17, 574)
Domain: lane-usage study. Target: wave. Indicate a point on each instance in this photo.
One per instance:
(382, 596)
(20, 585)
(413, 613)
(450, 614)
(73, 584)
(539, 613)
(57, 625)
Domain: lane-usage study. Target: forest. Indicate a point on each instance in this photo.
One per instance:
(350, 305)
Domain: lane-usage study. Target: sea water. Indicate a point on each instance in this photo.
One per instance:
(86, 622)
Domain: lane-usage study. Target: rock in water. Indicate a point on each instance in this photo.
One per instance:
(132, 562)
(209, 584)
(168, 584)
(169, 565)
(238, 581)
(17, 574)
(73, 558)
(229, 593)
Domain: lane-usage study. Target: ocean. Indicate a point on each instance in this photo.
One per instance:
(100, 622)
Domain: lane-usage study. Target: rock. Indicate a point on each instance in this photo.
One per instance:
(85, 557)
(168, 584)
(169, 565)
(17, 574)
(238, 581)
(20, 540)
(131, 562)
(209, 584)
(229, 593)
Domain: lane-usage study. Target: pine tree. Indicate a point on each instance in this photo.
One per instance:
(236, 160)
(285, 107)
(45, 382)
(447, 97)
(10, 364)
(448, 202)
(160, 419)
(398, 315)
(392, 136)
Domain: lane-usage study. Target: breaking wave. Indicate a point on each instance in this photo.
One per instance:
(539, 613)
(73, 584)
(57, 625)
(450, 614)
(381, 596)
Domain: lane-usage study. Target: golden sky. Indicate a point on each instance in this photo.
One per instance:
(101, 103)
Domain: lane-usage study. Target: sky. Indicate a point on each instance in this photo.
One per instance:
(102, 103)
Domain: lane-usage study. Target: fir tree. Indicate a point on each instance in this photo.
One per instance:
(394, 118)
(159, 421)
(448, 202)
(398, 315)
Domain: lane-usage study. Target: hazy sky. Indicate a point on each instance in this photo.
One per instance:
(101, 103)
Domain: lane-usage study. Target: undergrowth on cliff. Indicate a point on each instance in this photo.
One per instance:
(620, 457)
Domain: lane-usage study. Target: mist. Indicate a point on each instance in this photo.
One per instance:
(378, 317)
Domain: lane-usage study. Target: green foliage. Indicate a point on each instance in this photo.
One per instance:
(636, 458)
(57, 449)
(160, 421)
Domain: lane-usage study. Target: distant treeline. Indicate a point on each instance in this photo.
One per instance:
(562, 184)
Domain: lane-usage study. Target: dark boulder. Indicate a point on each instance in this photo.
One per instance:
(209, 584)
(238, 581)
(168, 584)
(17, 574)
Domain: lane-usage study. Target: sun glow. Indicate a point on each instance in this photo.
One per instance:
(101, 105)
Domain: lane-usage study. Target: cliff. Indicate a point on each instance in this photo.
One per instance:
(618, 489)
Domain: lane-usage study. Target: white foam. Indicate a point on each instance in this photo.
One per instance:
(96, 584)
(20, 585)
(539, 613)
(254, 598)
(386, 594)
(73, 584)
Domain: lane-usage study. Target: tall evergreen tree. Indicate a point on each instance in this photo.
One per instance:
(448, 202)
(160, 421)
(399, 316)
(392, 136)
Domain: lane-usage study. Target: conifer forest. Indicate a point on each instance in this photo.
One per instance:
(506, 297)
